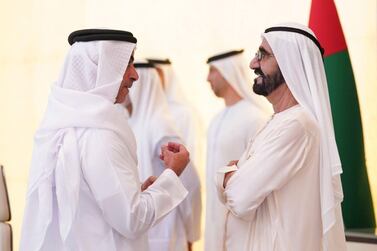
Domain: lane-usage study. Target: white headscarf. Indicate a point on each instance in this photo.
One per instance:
(151, 120)
(83, 97)
(171, 88)
(301, 64)
(234, 70)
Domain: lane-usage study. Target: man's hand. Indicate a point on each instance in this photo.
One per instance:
(227, 177)
(148, 182)
(229, 174)
(233, 162)
(175, 157)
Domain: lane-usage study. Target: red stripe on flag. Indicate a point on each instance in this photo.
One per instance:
(324, 21)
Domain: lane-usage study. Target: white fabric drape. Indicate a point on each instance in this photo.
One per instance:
(184, 115)
(171, 85)
(302, 66)
(154, 126)
(82, 97)
(81, 118)
(151, 120)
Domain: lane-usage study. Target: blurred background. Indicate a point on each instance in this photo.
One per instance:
(34, 44)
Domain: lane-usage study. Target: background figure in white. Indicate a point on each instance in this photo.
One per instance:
(245, 113)
(84, 188)
(184, 115)
(153, 126)
(285, 193)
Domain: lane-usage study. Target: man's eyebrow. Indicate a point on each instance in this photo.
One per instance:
(263, 49)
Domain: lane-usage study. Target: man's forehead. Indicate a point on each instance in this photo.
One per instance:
(265, 46)
(131, 61)
(212, 68)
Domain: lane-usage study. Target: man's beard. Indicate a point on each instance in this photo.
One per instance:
(269, 82)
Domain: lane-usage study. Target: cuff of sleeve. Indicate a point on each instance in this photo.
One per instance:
(168, 191)
(219, 180)
(179, 188)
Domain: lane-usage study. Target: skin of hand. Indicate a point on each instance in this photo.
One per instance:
(175, 156)
(148, 182)
(229, 174)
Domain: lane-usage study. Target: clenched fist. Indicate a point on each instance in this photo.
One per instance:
(175, 157)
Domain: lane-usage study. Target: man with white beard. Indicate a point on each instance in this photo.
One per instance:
(154, 126)
(245, 113)
(285, 193)
(84, 189)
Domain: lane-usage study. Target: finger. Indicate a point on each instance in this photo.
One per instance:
(144, 185)
(173, 146)
(150, 180)
(153, 179)
(182, 148)
(164, 148)
(184, 151)
(166, 155)
(173, 149)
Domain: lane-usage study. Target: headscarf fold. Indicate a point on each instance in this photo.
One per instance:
(172, 88)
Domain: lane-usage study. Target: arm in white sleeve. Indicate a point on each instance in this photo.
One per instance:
(271, 166)
(111, 173)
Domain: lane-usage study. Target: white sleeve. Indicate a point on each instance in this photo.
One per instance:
(271, 166)
(111, 174)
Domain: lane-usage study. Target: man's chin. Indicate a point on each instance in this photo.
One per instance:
(122, 96)
(259, 89)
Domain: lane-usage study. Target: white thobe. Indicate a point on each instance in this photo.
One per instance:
(112, 212)
(182, 225)
(274, 197)
(228, 136)
(187, 127)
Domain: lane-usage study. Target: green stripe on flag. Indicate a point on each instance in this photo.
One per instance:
(357, 206)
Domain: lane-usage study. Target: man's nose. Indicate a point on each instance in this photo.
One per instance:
(136, 76)
(208, 78)
(254, 63)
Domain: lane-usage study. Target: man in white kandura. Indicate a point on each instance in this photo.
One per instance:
(84, 190)
(154, 126)
(184, 115)
(229, 132)
(284, 193)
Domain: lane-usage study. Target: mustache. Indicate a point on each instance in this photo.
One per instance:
(259, 72)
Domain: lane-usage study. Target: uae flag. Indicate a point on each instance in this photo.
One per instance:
(357, 205)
